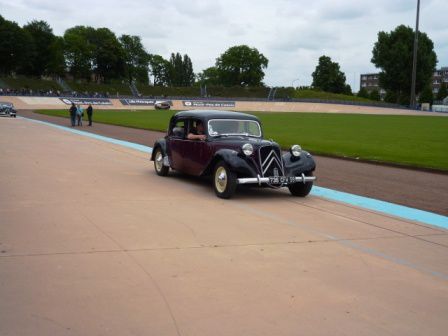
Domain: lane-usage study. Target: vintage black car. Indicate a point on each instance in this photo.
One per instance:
(7, 110)
(230, 147)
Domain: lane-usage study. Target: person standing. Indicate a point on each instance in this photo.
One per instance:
(89, 114)
(73, 114)
(79, 113)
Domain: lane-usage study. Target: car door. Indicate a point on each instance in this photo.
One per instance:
(176, 139)
(195, 152)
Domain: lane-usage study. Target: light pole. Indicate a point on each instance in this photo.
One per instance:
(414, 59)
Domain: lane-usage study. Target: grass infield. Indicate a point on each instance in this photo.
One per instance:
(417, 141)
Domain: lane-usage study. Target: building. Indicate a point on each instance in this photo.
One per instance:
(370, 81)
(440, 76)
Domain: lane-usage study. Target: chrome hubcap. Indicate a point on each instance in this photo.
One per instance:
(221, 179)
(159, 161)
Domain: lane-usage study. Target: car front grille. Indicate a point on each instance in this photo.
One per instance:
(271, 161)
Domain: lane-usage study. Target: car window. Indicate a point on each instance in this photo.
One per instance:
(178, 130)
(217, 127)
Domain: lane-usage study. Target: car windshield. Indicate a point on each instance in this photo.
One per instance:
(223, 127)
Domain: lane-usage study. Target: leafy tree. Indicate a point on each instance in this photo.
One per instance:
(443, 92)
(176, 70)
(209, 76)
(374, 95)
(14, 47)
(79, 51)
(363, 93)
(108, 55)
(393, 53)
(348, 90)
(160, 69)
(42, 48)
(328, 76)
(188, 73)
(56, 65)
(136, 59)
(426, 96)
(241, 66)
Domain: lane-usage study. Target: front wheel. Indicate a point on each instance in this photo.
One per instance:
(301, 189)
(224, 180)
(161, 170)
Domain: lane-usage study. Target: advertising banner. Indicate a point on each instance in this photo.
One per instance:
(208, 103)
(86, 101)
(143, 102)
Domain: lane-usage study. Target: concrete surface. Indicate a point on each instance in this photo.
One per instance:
(415, 188)
(92, 242)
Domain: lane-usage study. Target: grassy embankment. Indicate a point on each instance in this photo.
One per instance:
(417, 141)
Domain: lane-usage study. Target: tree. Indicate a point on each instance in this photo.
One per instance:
(328, 76)
(426, 96)
(188, 76)
(375, 95)
(79, 51)
(176, 70)
(160, 69)
(108, 55)
(136, 59)
(56, 65)
(363, 93)
(43, 49)
(241, 66)
(15, 45)
(393, 53)
(209, 76)
(443, 92)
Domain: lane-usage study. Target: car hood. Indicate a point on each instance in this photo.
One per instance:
(241, 140)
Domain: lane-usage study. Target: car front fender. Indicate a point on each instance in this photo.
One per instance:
(160, 143)
(234, 160)
(297, 166)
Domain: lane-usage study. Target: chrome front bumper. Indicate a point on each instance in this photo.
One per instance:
(272, 180)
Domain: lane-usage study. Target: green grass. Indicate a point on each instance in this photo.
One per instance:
(418, 141)
(112, 88)
(35, 84)
(314, 94)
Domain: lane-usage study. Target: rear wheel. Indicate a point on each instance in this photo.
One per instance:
(224, 180)
(161, 170)
(301, 189)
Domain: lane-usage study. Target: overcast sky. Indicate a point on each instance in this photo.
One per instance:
(292, 34)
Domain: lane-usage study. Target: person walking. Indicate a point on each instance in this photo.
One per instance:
(89, 114)
(79, 113)
(73, 114)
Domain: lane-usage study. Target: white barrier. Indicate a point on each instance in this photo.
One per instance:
(440, 108)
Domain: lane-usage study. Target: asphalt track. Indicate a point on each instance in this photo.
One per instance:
(94, 243)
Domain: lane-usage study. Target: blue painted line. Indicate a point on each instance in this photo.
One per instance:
(401, 211)
(128, 144)
(381, 206)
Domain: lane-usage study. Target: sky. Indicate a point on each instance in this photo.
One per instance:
(292, 34)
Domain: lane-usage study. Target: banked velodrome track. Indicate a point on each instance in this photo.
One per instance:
(93, 242)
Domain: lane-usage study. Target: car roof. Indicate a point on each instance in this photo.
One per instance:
(215, 114)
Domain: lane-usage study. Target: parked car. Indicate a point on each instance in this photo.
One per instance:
(233, 152)
(7, 110)
(162, 105)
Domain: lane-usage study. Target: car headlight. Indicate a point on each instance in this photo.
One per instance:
(296, 150)
(248, 149)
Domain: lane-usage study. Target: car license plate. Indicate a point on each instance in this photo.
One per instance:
(282, 179)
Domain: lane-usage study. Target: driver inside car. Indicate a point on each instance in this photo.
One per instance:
(197, 133)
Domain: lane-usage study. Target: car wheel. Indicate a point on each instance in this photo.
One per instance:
(224, 180)
(301, 189)
(161, 170)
